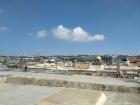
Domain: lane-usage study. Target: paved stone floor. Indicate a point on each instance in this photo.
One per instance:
(18, 94)
(90, 97)
(15, 94)
(76, 81)
(80, 78)
(74, 97)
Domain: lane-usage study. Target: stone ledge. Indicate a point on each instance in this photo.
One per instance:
(71, 83)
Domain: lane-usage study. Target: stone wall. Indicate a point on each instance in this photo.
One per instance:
(71, 84)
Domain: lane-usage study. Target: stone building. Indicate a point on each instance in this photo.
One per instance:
(133, 62)
(81, 65)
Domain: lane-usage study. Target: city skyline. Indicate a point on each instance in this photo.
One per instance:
(50, 27)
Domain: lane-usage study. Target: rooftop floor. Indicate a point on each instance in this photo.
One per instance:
(19, 94)
(77, 81)
(16, 94)
(81, 78)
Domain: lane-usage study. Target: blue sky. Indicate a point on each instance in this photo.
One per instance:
(49, 27)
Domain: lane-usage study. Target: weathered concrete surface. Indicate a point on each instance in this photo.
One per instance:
(75, 97)
(76, 81)
(90, 97)
(19, 94)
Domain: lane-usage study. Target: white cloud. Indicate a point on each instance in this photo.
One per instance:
(76, 35)
(1, 10)
(3, 29)
(41, 34)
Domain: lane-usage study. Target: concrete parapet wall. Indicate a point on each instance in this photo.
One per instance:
(110, 73)
(71, 84)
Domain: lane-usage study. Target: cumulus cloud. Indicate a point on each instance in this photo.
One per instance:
(3, 29)
(76, 35)
(41, 34)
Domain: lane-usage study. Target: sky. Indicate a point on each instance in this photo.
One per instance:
(69, 27)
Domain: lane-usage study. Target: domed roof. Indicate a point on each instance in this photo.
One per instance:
(98, 57)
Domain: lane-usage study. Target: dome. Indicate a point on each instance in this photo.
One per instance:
(98, 57)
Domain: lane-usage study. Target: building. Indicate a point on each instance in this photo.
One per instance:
(82, 65)
(133, 62)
